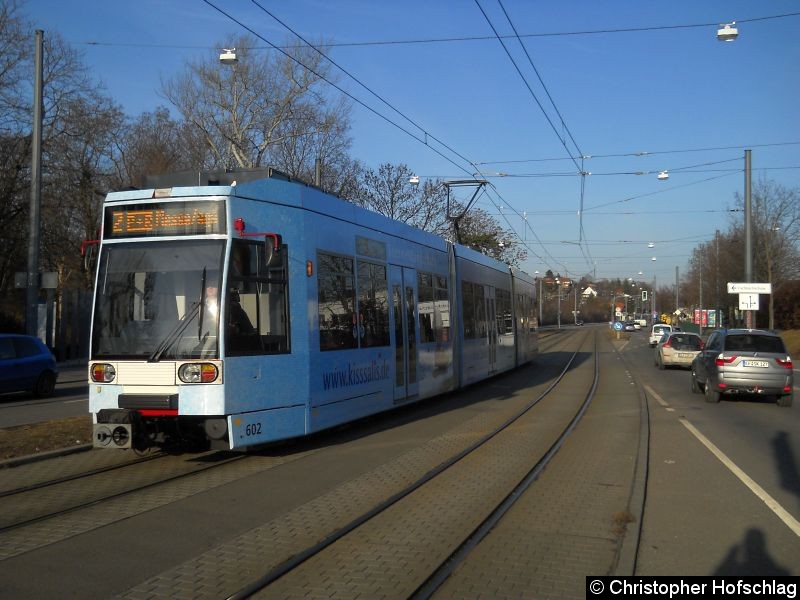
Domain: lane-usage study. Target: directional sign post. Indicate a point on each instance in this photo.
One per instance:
(748, 296)
(749, 288)
(748, 301)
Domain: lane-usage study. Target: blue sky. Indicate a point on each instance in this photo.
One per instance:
(668, 92)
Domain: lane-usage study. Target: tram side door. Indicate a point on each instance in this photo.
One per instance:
(403, 282)
(491, 326)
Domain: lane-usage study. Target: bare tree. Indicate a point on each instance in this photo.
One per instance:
(153, 144)
(264, 108)
(776, 236)
(388, 191)
(15, 50)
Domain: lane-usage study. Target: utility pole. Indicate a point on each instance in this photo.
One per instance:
(748, 232)
(677, 290)
(700, 320)
(32, 295)
(575, 312)
(716, 281)
(655, 308)
(558, 289)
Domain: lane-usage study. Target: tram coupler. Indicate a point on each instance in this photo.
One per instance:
(114, 429)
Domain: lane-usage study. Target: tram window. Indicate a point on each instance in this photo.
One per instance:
(434, 308)
(480, 311)
(532, 321)
(337, 302)
(468, 304)
(523, 306)
(411, 336)
(257, 319)
(373, 305)
(505, 324)
(474, 302)
(426, 307)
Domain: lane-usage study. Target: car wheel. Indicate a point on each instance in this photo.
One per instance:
(712, 395)
(660, 362)
(785, 400)
(695, 386)
(45, 385)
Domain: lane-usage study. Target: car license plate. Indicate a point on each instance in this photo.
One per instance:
(755, 363)
(684, 355)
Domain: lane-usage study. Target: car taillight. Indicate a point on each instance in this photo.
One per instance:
(723, 360)
(667, 344)
(785, 363)
(103, 373)
(198, 373)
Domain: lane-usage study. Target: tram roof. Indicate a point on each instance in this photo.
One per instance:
(273, 186)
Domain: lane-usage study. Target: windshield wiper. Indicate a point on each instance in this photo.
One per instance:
(176, 332)
(182, 324)
(202, 306)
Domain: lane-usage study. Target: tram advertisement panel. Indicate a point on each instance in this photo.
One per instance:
(165, 218)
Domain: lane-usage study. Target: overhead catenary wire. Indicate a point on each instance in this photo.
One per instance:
(472, 165)
(482, 38)
(359, 82)
(541, 108)
(334, 85)
(641, 153)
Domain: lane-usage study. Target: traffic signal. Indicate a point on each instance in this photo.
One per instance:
(644, 295)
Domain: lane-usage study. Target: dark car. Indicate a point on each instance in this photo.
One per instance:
(26, 365)
(744, 361)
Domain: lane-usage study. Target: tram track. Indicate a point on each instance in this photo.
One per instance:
(23, 511)
(280, 573)
(37, 485)
(84, 475)
(43, 516)
(50, 506)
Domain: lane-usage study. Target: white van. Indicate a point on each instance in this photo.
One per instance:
(659, 329)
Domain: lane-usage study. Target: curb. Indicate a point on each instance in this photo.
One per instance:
(32, 458)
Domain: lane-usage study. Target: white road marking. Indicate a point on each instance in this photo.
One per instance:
(771, 503)
(658, 398)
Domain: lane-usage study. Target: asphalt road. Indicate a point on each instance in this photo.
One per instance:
(71, 399)
(723, 492)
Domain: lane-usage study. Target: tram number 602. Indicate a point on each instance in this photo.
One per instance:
(254, 429)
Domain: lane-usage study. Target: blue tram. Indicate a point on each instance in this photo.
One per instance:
(254, 308)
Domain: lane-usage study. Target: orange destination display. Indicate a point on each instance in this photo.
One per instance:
(165, 219)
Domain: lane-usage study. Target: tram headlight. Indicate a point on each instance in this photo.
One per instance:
(103, 373)
(198, 373)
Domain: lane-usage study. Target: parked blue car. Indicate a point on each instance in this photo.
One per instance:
(26, 365)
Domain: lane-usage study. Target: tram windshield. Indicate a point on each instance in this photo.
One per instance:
(158, 300)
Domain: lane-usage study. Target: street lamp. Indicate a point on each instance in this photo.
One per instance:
(727, 32)
(228, 56)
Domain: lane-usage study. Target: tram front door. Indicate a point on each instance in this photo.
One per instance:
(403, 282)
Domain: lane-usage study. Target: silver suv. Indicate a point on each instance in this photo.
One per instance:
(743, 361)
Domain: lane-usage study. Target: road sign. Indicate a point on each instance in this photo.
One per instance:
(748, 301)
(618, 325)
(749, 288)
